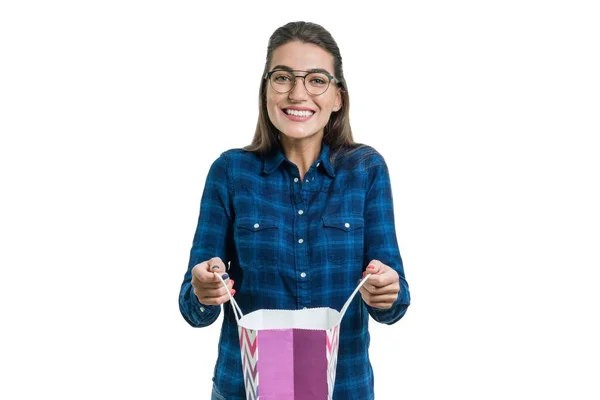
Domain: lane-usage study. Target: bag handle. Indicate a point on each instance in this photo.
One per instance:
(234, 305)
(237, 310)
(345, 308)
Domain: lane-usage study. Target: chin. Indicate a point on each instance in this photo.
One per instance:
(297, 132)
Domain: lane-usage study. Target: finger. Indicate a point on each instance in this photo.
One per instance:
(217, 291)
(217, 281)
(364, 293)
(216, 300)
(384, 302)
(389, 277)
(367, 288)
(372, 283)
(214, 289)
(216, 284)
(378, 290)
(384, 298)
(375, 267)
(366, 296)
(215, 264)
(206, 289)
(198, 271)
(224, 299)
(377, 281)
(202, 272)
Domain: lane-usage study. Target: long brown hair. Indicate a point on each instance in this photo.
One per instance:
(337, 133)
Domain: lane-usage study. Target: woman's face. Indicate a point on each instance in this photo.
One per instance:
(312, 112)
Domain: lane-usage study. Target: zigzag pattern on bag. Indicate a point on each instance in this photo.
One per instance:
(248, 348)
(332, 353)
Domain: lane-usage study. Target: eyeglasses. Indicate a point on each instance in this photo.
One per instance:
(316, 82)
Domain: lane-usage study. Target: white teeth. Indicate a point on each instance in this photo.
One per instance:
(299, 113)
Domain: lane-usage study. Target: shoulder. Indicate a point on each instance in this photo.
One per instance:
(235, 156)
(362, 157)
(239, 163)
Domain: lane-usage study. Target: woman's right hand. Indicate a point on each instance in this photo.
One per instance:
(207, 286)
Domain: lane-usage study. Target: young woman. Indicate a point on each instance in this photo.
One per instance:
(295, 219)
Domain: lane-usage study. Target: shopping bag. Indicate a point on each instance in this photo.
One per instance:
(289, 354)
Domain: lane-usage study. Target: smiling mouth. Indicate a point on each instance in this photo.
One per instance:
(298, 113)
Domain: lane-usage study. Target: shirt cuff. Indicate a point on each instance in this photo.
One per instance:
(391, 315)
(201, 315)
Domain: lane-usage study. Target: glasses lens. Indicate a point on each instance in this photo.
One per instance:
(316, 83)
(282, 81)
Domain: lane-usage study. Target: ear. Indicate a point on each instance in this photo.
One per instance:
(337, 106)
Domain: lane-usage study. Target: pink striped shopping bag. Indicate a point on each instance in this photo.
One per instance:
(290, 354)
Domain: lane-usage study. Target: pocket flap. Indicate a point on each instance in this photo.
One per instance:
(345, 223)
(256, 224)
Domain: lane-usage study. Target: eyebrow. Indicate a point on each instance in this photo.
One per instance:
(286, 68)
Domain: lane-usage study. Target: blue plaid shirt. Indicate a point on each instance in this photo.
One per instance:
(292, 244)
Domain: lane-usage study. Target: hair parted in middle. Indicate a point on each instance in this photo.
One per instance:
(337, 133)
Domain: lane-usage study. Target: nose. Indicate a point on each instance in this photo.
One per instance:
(298, 92)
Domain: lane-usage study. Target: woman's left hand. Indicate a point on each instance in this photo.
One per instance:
(382, 288)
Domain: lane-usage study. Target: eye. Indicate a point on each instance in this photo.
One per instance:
(318, 80)
(281, 77)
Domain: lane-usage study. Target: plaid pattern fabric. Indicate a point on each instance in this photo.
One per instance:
(292, 244)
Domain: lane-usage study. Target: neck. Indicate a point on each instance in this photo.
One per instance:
(303, 153)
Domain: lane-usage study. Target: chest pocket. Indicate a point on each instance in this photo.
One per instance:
(257, 241)
(345, 238)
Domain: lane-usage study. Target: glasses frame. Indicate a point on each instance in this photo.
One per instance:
(292, 72)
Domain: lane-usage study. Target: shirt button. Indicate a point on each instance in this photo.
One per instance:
(318, 164)
(295, 179)
(201, 309)
(300, 212)
(347, 225)
(303, 275)
(307, 181)
(300, 240)
(256, 226)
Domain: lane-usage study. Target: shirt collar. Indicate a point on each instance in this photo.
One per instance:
(325, 160)
(273, 160)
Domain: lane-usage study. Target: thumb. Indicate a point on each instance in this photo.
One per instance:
(373, 268)
(215, 264)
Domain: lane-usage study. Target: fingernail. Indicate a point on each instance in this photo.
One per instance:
(371, 267)
(225, 276)
(215, 267)
(232, 292)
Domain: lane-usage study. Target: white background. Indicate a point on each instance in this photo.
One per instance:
(488, 116)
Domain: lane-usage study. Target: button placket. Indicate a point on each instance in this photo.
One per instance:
(300, 231)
